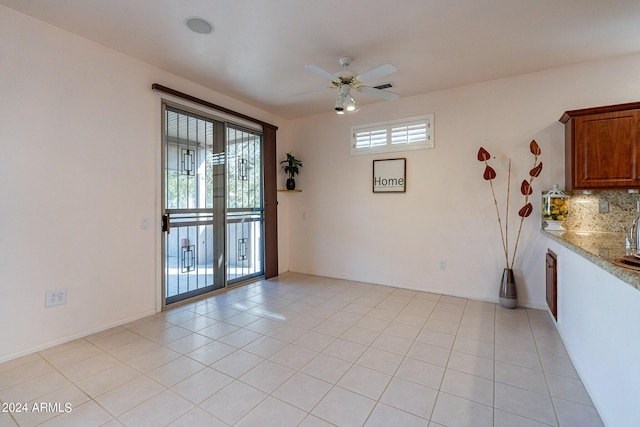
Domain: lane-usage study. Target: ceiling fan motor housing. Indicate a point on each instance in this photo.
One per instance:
(345, 76)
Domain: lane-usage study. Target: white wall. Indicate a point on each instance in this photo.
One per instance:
(447, 212)
(79, 169)
(598, 318)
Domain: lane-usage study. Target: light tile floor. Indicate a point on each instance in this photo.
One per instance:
(308, 351)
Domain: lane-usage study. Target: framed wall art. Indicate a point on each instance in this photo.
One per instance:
(390, 176)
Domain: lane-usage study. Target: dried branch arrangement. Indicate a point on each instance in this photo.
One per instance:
(525, 188)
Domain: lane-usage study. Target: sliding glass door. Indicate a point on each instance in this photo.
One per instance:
(212, 204)
(245, 212)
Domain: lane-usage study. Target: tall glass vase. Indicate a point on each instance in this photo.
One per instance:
(508, 290)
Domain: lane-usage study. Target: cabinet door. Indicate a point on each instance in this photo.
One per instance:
(606, 150)
(552, 283)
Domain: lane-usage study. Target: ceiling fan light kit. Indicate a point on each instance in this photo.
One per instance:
(346, 80)
(344, 101)
(350, 104)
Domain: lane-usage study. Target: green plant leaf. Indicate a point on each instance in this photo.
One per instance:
(291, 165)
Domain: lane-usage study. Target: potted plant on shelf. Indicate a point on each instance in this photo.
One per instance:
(508, 291)
(291, 166)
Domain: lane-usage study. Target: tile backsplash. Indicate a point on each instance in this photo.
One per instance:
(585, 216)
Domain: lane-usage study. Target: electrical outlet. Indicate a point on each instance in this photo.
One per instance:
(603, 206)
(443, 265)
(57, 297)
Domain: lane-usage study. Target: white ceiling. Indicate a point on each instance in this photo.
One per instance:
(259, 48)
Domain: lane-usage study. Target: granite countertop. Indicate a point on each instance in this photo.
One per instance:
(600, 248)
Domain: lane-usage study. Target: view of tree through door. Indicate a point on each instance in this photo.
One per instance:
(212, 195)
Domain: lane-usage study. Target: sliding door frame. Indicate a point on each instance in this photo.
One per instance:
(269, 170)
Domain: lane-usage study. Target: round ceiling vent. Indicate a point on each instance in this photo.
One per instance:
(199, 25)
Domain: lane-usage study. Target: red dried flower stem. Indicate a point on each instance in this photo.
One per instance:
(526, 200)
(525, 188)
(495, 202)
(506, 226)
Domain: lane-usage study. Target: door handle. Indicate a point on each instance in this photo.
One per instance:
(165, 223)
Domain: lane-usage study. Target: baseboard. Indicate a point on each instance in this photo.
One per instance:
(83, 334)
(433, 291)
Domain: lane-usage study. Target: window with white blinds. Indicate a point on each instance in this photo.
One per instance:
(414, 133)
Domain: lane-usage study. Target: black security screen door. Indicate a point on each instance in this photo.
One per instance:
(213, 215)
(245, 211)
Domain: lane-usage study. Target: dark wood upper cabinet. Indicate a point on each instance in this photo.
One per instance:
(601, 147)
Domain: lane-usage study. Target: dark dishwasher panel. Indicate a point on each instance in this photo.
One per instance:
(552, 283)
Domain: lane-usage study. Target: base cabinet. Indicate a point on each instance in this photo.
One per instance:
(598, 318)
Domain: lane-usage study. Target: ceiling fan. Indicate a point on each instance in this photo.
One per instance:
(346, 80)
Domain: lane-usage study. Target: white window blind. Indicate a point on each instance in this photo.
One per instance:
(398, 135)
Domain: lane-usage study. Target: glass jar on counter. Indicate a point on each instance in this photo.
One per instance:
(555, 208)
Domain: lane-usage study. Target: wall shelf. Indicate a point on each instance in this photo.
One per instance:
(290, 191)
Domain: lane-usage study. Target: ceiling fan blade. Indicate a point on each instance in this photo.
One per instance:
(322, 72)
(379, 93)
(380, 71)
(309, 92)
